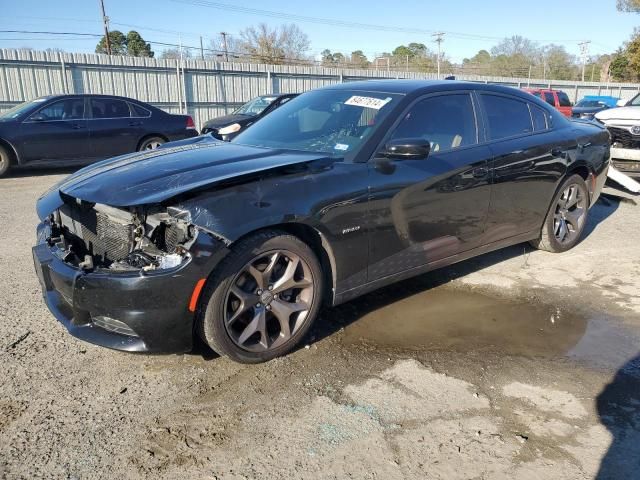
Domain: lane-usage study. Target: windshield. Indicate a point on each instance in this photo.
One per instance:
(590, 103)
(336, 122)
(255, 106)
(20, 109)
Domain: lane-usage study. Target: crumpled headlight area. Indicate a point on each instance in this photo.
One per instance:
(161, 241)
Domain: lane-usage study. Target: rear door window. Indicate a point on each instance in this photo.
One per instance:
(563, 98)
(109, 108)
(506, 116)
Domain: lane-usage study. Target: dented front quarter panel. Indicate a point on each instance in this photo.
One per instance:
(328, 196)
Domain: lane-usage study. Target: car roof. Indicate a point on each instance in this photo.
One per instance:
(75, 95)
(406, 87)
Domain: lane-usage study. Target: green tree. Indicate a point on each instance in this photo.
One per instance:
(619, 68)
(118, 43)
(137, 47)
(133, 44)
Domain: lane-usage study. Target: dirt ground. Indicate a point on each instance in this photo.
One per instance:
(518, 364)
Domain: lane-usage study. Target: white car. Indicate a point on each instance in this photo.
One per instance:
(623, 124)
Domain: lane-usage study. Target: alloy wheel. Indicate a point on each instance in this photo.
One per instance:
(152, 145)
(570, 214)
(269, 300)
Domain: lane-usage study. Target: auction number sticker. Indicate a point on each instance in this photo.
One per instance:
(368, 102)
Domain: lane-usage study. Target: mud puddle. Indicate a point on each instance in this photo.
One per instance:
(444, 318)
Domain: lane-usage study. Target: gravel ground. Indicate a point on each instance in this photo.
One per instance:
(518, 364)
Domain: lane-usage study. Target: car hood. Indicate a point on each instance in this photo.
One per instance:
(156, 176)
(620, 113)
(587, 109)
(225, 120)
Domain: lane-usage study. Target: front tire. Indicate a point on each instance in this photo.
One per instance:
(5, 161)
(262, 299)
(566, 218)
(151, 143)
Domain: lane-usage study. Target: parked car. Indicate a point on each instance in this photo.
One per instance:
(79, 129)
(555, 98)
(592, 104)
(228, 126)
(339, 192)
(623, 124)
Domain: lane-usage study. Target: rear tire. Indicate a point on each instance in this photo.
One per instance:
(262, 299)
(151, 143)
(5, 161)
(566, 218)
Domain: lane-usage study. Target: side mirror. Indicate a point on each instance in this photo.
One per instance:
(621, 103)
(406, 149)
(38, 117)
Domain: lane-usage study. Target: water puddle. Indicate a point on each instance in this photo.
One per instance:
(443, 318)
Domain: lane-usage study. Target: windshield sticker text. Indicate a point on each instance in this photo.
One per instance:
(368, 102)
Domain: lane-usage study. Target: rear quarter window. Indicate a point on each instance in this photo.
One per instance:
(139, 111)
(539, 117)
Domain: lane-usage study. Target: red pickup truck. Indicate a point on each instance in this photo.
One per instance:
(555, 98)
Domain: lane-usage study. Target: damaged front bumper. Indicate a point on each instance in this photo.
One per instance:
(135, 311)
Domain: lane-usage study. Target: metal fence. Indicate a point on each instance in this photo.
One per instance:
(206, 89)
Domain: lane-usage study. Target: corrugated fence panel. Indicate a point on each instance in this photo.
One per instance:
(211, 88)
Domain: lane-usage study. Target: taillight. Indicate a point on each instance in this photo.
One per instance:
(190, 124)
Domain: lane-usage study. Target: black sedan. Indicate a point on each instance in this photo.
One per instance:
(228, 126)
(79, 129)
(341, 191)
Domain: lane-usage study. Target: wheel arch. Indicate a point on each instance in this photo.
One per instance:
(15, 158)
(318, 243)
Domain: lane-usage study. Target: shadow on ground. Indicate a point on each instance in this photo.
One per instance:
(619, 410)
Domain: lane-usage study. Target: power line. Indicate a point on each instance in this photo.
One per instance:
(342, 23)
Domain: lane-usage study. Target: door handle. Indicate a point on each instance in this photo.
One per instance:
(77, 126)
(480, 172)
(135, 124)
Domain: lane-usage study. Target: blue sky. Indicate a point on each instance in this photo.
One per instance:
(547, 21)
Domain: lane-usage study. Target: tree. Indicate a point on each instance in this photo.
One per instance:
(276, 46)
(137, 47)
(359, 59)
(629, 5)
(133, 44)
(174, 53)
(516, 46)
(560, 64)
(118, 43)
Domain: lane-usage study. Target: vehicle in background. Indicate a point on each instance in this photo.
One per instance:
(337, 193)
(592, 104)
(228, 126)
(623, 124)
(555, 98)
(63, 130)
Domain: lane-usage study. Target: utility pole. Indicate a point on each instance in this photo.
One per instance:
(584, 53)
(105, 21)
(438, 39)
(224, 46)
(201, 50)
